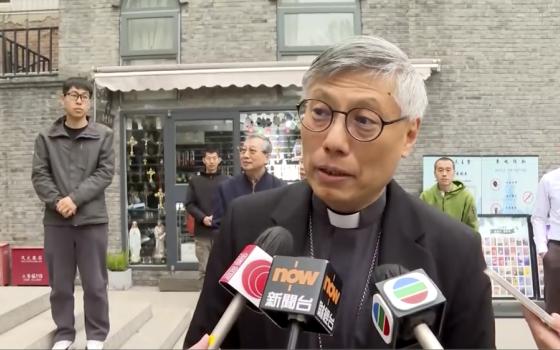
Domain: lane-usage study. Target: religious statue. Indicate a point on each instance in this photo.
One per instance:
(132, 142)
(134, 241)
(159, 234)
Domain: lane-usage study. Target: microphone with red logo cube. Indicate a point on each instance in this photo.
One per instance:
(302, 293)
(407, 309)
(246, 277)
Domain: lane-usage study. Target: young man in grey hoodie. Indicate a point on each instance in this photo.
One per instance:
(73, 163)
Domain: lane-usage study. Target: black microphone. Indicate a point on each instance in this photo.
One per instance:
(407, 308)
(246, 277)
(302, 293)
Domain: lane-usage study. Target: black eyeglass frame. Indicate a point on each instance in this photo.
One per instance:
(301, 115)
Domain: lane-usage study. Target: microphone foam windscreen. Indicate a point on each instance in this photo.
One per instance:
(276, 240)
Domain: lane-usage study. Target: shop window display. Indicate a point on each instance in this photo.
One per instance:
(145, 189)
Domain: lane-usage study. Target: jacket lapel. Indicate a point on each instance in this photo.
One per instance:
(292, 213)
(402, 238)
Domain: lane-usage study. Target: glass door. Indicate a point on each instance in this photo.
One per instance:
(187, 136)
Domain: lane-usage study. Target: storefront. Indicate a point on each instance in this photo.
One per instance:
(168, 114)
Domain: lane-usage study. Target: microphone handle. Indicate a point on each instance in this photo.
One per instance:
(295, 321)
(426, 337)
(226, 321)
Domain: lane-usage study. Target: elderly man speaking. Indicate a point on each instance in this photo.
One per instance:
(360, 114)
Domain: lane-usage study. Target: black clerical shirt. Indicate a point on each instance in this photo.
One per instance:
(350, 251)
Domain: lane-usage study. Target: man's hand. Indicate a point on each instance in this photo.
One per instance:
(66, 207)
(207, 221)
(542, 254)
(545, 337)
(202, 343)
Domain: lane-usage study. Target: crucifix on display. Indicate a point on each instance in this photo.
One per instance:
(132, 142)
(150, 174)
(160, 195)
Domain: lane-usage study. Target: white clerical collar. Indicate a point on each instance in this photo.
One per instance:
(344, 220)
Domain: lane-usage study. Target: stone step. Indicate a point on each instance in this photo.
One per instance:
(19, 304)
(179, 344)
(127, 315)
(162, 331)
(38, 332)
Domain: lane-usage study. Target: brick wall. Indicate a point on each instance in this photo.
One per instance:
(228, 31)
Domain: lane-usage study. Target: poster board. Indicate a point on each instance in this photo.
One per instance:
(506, 245)
(499, 184)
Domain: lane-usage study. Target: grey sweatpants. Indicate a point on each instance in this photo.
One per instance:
(85, 247)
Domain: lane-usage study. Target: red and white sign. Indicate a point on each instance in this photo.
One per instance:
(248, 274)
(29, 267)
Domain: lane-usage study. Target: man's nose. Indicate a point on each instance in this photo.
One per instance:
(337, 137)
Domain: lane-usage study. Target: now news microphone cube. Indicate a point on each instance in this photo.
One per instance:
(404, 302)
(304, 287)
(247, 274)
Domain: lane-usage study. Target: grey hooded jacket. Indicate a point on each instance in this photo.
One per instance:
(80, 168)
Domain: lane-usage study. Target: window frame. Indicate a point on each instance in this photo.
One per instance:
(128, 54)
(312, 8)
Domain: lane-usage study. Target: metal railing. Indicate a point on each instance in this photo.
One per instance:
(28, 51)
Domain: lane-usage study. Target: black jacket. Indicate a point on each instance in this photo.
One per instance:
(414, 236)
(237, 186)
(202, 190)
(80, 168)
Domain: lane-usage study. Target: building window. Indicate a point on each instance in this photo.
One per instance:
(149, 29)
(307, 27)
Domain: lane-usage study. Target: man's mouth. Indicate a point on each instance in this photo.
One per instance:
(332, 171)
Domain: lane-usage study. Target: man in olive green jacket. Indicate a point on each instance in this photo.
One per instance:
(451, 196)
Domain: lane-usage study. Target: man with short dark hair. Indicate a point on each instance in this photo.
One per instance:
(202, 189)
(73, 163)
(451, 196)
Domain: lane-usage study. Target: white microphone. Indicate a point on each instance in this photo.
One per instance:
(407, 307)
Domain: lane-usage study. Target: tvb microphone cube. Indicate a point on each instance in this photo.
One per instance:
(404, 302)
(247, 274)
(304, 287)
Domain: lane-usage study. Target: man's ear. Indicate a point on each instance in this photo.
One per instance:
(412, 130)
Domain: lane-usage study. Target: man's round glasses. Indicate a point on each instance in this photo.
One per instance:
(75, 96)
(361, 123)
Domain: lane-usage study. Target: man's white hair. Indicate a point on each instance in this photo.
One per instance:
(370, 54)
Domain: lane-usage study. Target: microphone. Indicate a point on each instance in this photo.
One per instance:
(406, 307)
(302, 293)
(246, 277)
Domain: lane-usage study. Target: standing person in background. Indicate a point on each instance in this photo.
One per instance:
(202, 189)
(73, 163)
(451, 196)
(547, 210)
(254, 155)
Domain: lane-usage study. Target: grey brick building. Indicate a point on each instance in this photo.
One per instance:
(231, 66)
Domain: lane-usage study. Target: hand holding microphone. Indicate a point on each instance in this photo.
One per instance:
(407, 307)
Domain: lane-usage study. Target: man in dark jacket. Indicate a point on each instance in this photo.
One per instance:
(254, 155)
(202, 189)
(73, 163)
(361, 112)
